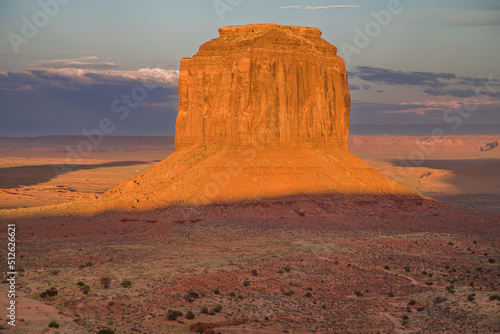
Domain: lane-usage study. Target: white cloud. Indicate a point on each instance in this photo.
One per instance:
(72, 78)
(319, 7)
(82, 62)
(337, 6)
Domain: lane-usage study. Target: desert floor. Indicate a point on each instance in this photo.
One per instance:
(300, 264)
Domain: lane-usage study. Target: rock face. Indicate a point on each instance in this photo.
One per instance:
(264, 83)
(263, 113)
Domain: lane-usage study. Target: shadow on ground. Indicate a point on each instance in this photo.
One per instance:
(15, 177)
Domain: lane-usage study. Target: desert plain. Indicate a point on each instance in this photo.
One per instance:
(307, 263)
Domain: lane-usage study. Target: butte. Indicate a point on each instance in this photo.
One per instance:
(263, 112)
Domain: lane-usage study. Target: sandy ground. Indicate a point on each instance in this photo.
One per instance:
(314, 264)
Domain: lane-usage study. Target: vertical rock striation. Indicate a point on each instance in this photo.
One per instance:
(263, 113)
(264, 83)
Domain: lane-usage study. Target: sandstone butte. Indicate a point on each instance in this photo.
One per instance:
(263, 112)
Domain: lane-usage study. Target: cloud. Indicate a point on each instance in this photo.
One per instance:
(328, 7)
(392, 77)
(75, 78)
(319, 7)
(82, 62)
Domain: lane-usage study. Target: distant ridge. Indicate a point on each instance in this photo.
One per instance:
(423, 129)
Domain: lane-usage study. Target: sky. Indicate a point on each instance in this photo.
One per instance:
(67, 65)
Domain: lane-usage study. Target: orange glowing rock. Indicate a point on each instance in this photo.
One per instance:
(263, 112)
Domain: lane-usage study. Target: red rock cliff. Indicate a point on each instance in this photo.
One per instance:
(264, 83)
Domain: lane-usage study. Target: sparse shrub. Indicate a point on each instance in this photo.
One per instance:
(471, 297)
(189, 315)
(412, 302)
(407, 269)
(491, 260)
(246, 282)
(254, 272)
(231, 294)
(86, 289)
(439, 299)
(80, 283)
(88, 264)
(81, 266)
(53, 324)
(240, 296)
(106, 331)
(126, 283)
(280, 271)
(450, 289)
(204, 310)
(289, 293)
(386, 267)
(105, 281)
(52, 292)
(474, 242)
(309, 288)
(218, 308)
(450, 243)
(308, 295)
(287, 269)
(173, 315)
(495, 297)
(358, 293)
(429, 283)
(446, 267)
(420, 308)
(216, 292)
(111, 303)
(55, 272)
(323, 306)
(191, 296)
(390, 294)
(424, 272)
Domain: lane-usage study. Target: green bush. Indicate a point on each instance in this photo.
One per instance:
(105, 281)
(191, 296)
(254, 272)
(204, 310)
(412, 302)
(86, 289)
(53, 324)
(246, 282)
(216, 291)
(126, 283)
(106, 331)
(80, 283)
(189, 315)
(52, 292)
(358, 293)
(495, 297)
(218, 308)
(173, 315)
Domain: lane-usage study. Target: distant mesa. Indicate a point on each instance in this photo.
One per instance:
(263, 112)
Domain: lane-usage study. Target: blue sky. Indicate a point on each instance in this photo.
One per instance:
(409, 62)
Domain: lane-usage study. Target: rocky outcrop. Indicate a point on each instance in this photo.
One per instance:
(267, 84)
(263, 113)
